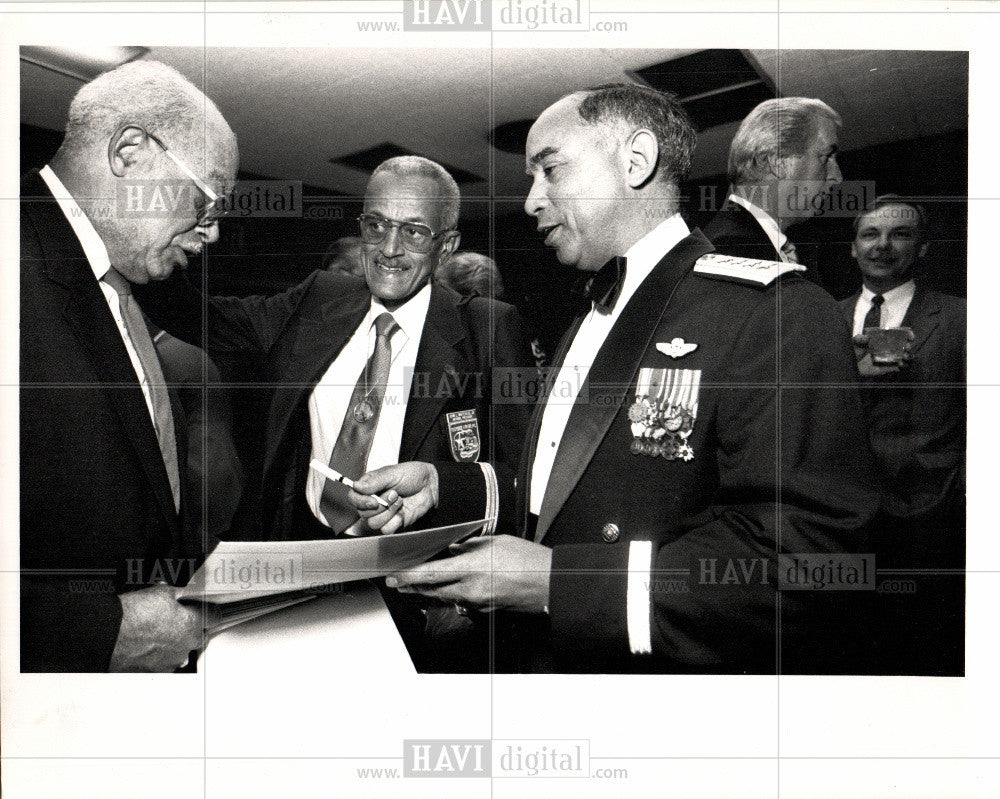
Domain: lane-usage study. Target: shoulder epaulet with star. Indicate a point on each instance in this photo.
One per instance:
(750, 271)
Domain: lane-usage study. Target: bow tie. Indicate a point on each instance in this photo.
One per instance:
(603, 287)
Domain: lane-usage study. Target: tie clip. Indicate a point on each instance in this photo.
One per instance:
(329, 473)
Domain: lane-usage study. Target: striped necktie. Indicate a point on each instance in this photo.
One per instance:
(163, 417)
(354, 443)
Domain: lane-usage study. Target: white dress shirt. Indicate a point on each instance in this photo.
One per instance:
(896, 303)
(767, 223)
(641, 258)
(97, 256)
(332, 394)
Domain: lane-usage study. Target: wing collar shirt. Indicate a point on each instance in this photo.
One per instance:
(329, 400)
(767, 223)
(896, 303)
(97, 256)
(641, 258)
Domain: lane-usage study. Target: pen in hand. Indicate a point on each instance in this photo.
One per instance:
(331, 474)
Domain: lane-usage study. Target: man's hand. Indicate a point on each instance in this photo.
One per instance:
(157, 631)
(868, 368)
(411, 489)
(490, 573)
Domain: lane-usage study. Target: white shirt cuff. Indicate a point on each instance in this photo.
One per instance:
(492, 499)
(637, 597)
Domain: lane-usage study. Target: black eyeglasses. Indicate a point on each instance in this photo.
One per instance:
(415, 237)
(210, 213)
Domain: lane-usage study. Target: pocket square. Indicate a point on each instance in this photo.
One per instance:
(676, 348)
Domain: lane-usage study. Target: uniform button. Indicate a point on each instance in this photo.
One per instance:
(610, 533)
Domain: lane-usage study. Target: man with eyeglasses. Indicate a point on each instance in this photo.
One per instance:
(103, 537)
(371, 372)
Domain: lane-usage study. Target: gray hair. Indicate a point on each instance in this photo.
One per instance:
(775, 128)
(470, 274)
(406, 165)
(642, 106)
(149, 94)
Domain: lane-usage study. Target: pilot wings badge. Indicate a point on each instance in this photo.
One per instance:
(676, 348)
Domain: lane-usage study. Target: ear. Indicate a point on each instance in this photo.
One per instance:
(643, 152)
(125, 148)
(449, 243)
(777, 166)
(923, 249)
(854, 251)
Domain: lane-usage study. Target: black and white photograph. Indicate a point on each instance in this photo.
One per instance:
(498, 398)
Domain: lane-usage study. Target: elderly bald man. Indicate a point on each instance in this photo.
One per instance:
(102, 536)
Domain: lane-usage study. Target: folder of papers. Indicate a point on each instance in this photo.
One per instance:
(241, 580)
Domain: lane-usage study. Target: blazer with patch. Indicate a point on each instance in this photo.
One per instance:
(294, 337)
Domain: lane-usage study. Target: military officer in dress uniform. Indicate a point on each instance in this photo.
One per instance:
(703, 419)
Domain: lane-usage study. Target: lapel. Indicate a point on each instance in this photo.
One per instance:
(922, 316)
(847, 309)
(523, 487)
(444, 366)
(87, 315)
(616, 364)
(320, 335)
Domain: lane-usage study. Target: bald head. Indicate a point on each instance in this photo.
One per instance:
(624, 107)
(145, 153)
(158, 99)
(605, 165)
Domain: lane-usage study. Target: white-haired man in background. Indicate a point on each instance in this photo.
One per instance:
(781, 162)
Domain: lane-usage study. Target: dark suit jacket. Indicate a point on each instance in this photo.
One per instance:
(734, 231)
(295, 336)
(918, 431)
(780, 464)
(213, 472)
(96, 506)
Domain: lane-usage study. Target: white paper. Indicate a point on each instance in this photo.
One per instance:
(238, 570)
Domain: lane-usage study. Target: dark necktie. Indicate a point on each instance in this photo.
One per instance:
(350, 452)
(603, 287)
(163, 417)
(874, 316)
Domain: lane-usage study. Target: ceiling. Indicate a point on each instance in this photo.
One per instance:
(295, 109)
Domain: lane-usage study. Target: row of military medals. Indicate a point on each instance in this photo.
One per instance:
(663, 414)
